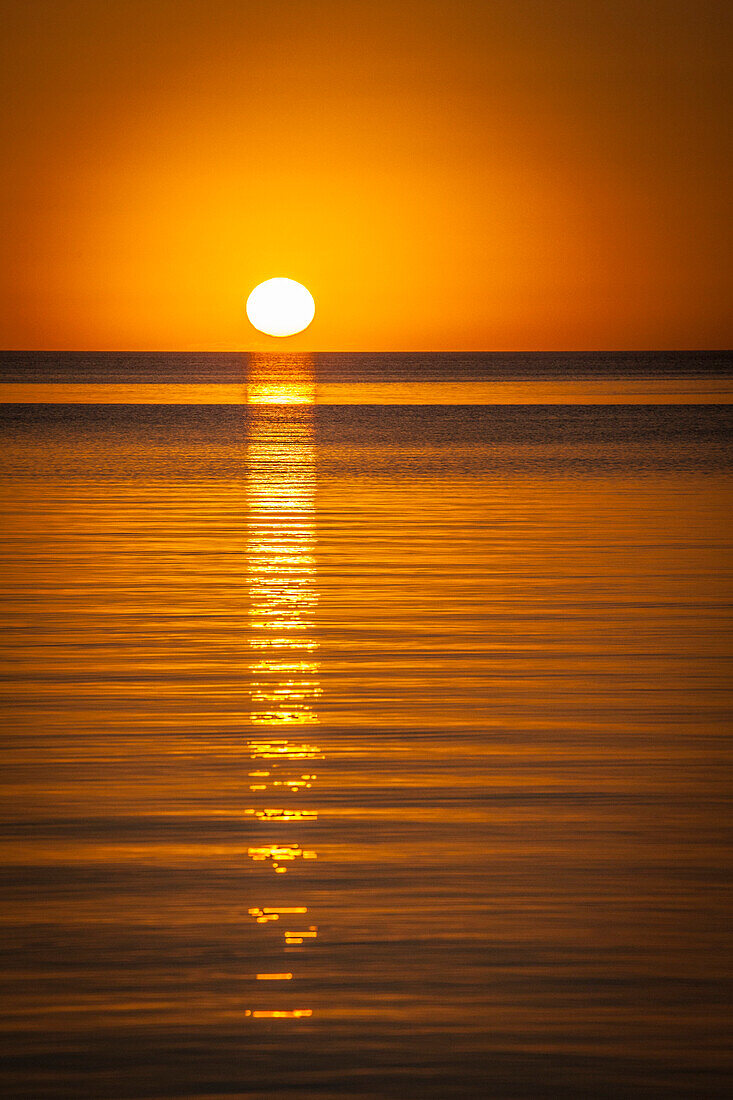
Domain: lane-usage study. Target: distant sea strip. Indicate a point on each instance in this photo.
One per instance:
(582, 391)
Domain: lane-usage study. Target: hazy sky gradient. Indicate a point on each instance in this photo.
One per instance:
(516, 174)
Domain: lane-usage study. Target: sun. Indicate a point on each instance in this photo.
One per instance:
(280, 307)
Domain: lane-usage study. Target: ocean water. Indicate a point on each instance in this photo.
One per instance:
(366, 726)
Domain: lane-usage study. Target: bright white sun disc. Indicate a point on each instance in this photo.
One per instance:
(280, 307)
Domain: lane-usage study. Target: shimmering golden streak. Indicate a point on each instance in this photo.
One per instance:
(280, 854)
(281, 394)
(295, 1014)
(279, 748)
(284, 815)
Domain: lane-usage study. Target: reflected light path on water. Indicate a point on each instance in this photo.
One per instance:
(284, 680)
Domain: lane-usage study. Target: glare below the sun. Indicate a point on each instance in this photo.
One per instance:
(280, 307)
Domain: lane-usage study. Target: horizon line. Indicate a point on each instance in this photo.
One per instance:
(373, 351)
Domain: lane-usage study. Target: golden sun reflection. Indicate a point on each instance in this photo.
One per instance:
(284, 673)
(281, 380)
(294, 1014)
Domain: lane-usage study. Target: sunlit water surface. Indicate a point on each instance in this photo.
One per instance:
(365, 750)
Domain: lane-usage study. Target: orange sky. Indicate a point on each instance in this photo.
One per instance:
(474, 174)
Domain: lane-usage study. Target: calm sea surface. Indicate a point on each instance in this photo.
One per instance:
(366, 726)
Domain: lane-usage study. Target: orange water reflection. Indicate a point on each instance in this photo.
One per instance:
(284, 671)
(524, 842)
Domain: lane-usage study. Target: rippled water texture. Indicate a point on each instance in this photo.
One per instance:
(361, 749)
